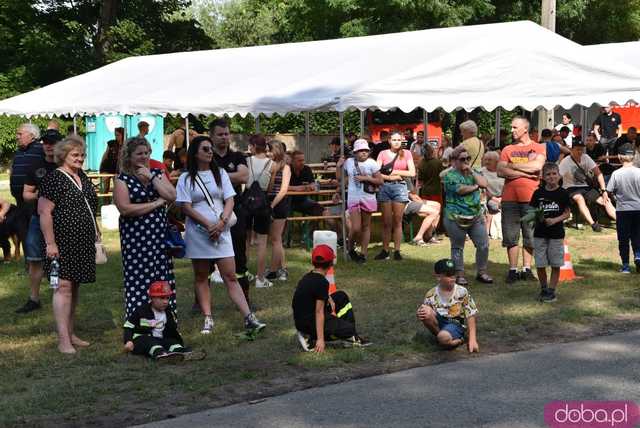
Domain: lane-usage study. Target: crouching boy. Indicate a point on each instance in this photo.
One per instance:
(448, 310)
(152, 329)
(318, 316)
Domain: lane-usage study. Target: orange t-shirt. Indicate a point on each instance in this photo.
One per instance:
(520, 189)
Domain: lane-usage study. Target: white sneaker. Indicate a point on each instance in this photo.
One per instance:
(283, 274)
(303, 341)
(208, 326)
(216, 278)
(263, 283)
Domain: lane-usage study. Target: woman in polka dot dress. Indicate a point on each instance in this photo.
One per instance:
(140, 195)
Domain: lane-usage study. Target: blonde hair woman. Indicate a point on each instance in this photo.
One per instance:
(280, 177)
(67, 207)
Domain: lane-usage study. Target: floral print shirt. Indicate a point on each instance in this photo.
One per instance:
(458, 305)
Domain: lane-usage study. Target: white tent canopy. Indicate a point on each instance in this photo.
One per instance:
(508, 64)
(628, 52)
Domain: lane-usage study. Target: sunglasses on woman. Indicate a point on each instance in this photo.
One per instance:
(206, 149)
(464, 159)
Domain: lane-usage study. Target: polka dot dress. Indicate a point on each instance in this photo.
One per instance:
(144, 257)
(72, 226)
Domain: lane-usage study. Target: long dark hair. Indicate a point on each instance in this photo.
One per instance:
(192, 163)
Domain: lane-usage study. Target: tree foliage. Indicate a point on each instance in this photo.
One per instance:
(45, 41)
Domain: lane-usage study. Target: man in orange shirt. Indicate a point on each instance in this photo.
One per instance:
(520, 164)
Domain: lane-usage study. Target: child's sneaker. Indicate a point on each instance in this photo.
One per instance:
(512, 276)
(549, 296)
(527, 275)
(252, 323)
(303, 341)
(263, 283)
(356, 342)
(165, 357)
(283, 274)
(207, 328)
(625, 269)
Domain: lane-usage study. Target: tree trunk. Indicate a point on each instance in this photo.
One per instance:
(108, 13)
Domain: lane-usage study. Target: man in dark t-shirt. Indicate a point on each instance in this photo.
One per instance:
(235, 164)
(302, 180)
(608, 126)
(383, 145)
(319, 316)
(34, 243)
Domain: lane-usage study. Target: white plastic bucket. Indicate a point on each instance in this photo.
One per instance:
(109, 216)
(326, 237)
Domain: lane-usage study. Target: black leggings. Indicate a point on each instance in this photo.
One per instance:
(147, 345)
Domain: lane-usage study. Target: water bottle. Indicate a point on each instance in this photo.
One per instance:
(54, 279)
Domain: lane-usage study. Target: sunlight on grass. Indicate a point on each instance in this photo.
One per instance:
(102, 380)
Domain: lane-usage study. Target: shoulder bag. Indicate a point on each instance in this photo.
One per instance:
(387, 168)
(367, 187)
(101, 252)
(211, 202)
(594, 190)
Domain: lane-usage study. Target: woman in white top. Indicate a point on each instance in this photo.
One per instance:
(260, 166)
(206, 196)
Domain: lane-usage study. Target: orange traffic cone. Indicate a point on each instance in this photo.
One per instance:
(332, 281)
(566, 271)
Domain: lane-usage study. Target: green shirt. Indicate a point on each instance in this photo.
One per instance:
(466, 205)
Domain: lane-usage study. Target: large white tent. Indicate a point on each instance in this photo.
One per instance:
(628, 52)
(508, 64)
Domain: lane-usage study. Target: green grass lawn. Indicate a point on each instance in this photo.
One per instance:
(103, 387)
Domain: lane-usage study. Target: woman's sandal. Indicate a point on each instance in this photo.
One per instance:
(418, 243)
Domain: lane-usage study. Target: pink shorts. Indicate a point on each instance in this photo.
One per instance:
(366, 205)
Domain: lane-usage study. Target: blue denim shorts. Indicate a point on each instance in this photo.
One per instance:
(453, 328)
(393, 192)
(33, 246)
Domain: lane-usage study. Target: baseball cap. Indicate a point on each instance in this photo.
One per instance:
(360, 144)
(160, 289)
(445, 267)
(322, 254)
(578, 143)
(52, 135)
(627, 150)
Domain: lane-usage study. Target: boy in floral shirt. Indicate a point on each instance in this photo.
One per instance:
(448, 310)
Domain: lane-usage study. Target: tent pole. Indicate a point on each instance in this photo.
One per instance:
(498, 126)
(362, 113)
(186, 132)
(583, 122)
(75, 126)
(342, 192)
(307, 138)
(425, 123)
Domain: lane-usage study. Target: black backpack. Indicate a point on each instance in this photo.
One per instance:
(255, 201)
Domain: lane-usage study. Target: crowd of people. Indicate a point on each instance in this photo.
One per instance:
(474, 191)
